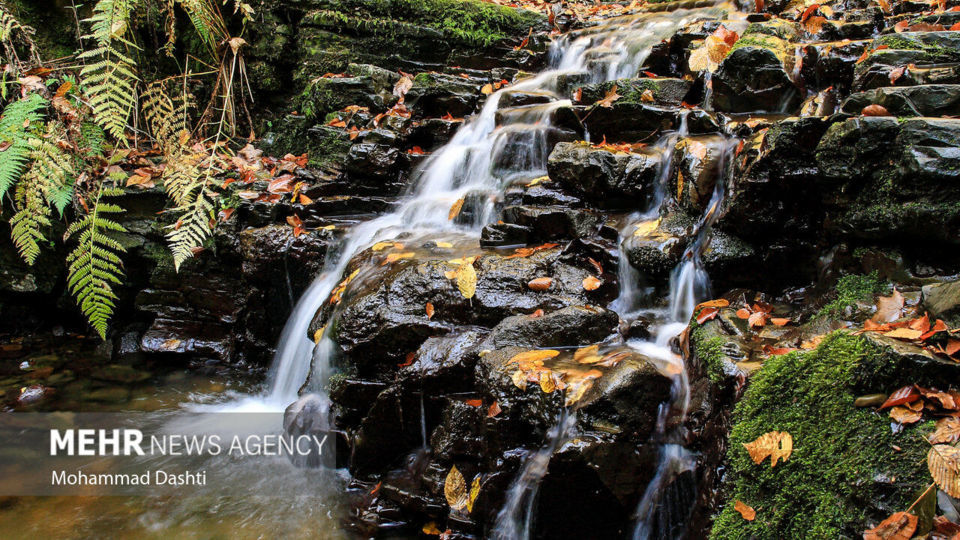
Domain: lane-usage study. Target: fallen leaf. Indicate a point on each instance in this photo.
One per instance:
(494, 410)
(947, 431)
(532, 356)
(170, 345)
(455, 489)
(431, 529)
(576, 392)
(519, 379)
(905, 415)
(875, 110)
(404, 84)
(584, 352)
(429, 310)
(540, 284)
(718, 303)
(743, 313)
(747, 512)
(609, 98)
(904, 333)
(487, 89)
(647, 96)
(774, 444)
(547, 383)
(757, 319)
(889, 308)
(467, 280)
(907, 394)
(455, 209)
(943, 461)
(474, 492)
(474, 402)
(394, 257)
(707, 314)
(899, 526)
(318, 335)
(591, 283)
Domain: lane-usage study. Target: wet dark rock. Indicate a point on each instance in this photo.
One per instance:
(657, 252)
(326, 95)
(504, 234)
(902, 49)
(432, 133)
(698, 163)
(574, 325)
(659, 91)
(552, 222)
(378, 162)
(756, 75)
(943, 300)
(907, 169)
(309, 417)
(924, 100)
(629, 122)
(436, 94)
(608, 179)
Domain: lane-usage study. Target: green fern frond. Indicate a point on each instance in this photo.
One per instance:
(31, 216)
(94, 266)
(14, 131)
(193, 227)
(110, 78)
(182, 176)
(52, 171)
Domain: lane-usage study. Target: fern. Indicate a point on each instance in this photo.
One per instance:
(166, 114)
(52, 171)
(94, 266)
(17, 116)
(207, 21)
(193, 228)
(10, 28)
(110, 77)
(181, 176)
(32, 215)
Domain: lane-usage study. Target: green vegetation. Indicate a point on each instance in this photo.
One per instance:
(852, 289)
(844, 458)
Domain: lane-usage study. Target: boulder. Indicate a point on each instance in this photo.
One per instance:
(436, 94)
(606, 178)
(923, 100)
(756, 74)
(943, 300)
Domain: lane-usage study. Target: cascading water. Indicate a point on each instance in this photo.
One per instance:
(495, 148)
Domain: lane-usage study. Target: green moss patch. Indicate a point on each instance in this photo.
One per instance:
(852, 289)
(845, 468)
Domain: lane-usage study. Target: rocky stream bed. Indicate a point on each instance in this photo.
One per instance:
(549, 285)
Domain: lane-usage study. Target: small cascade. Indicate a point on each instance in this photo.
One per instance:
(514, 522)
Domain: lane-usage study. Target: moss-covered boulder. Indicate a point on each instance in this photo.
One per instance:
(756, 74)
(848, 469)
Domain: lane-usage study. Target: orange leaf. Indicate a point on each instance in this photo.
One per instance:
(718, 303)
(757, 319)
(474, 402)
(774, 444)
(707, 314)
(743, 313)
(494, 409)
(609, 98)
(779, 321)
(429, 310)
(591, 283)
(875, 110)
(907, 394)
(455, 209)
(747, 512)
(540, 284)
(408, 360)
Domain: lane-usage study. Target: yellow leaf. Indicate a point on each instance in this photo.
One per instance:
(318, 335)
(584, 352)
(679, 185)
(538, 180)
(380, 246)
(519, 379)
(443, 244)
(547, 384)
(944, 464)
(646, 228)
(577, 392)
(455, 209)
(455, 489)
(474, 492)
(532, 356)
(774, 444)
(647, 96)
(747, 512)
(467, 280)
(432, 529)
(394, 257)
(487, 89)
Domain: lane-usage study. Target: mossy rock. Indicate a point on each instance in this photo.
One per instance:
(848, 470)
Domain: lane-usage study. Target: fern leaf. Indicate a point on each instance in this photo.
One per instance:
(193, 227)
(52, 171)
(166, 110)
(110, 78)
(94, 266)
(31, 216)
(208, 22)
(14, 124)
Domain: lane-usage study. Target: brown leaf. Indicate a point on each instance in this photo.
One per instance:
(757, 319)
(591, 283)
(875, 110)
(947, 431)
(429, 310)
(904, 333)
(774, 444)
(943, 461)
(547, 382)
(534, 355)
(540, 284)
(743, 313)
(814, 24)
(905, 415)
(609, 98)
(889, 308)
(899, 526)
(404, 84)
(778, 321)
(747, 512)
(455, 489)
(896, 73)
(718, 303)
(494, 410)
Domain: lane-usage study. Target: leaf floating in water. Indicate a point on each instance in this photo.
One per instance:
(394, 257)
(944, 464)
(455, 489)
(899, 526)
(747, 512)
(584, 352)
(774, 444)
